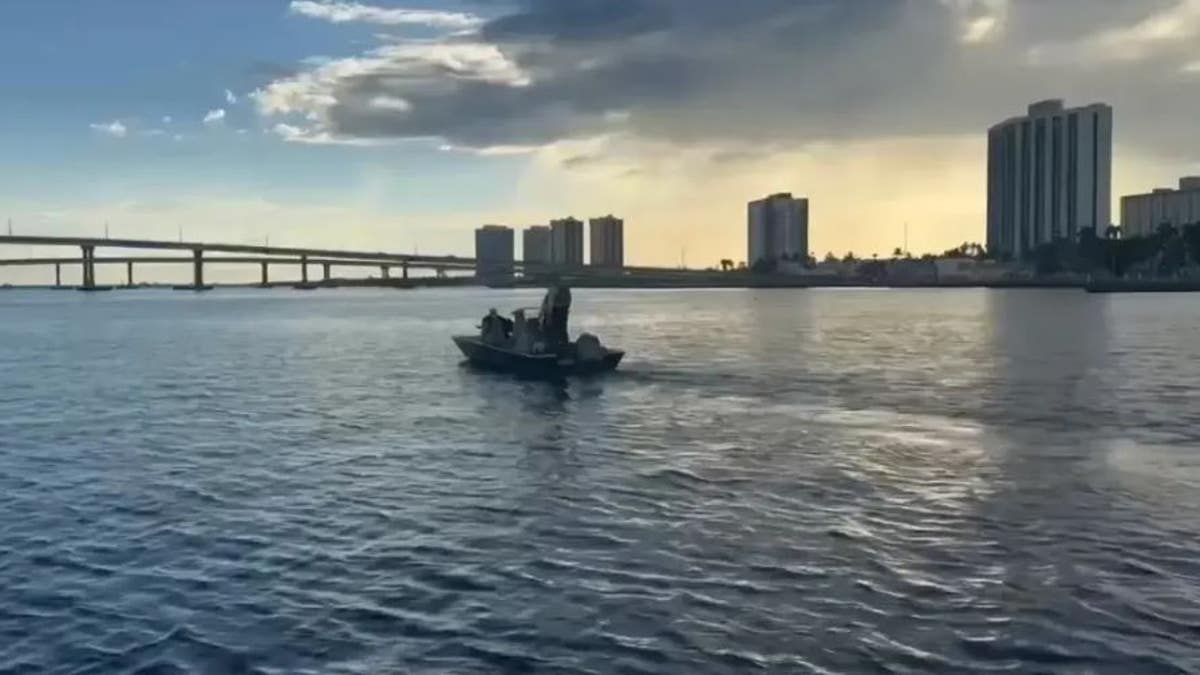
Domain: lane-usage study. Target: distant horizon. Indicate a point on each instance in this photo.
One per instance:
(403, 126)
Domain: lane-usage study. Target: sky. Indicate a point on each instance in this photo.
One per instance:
(404, 125)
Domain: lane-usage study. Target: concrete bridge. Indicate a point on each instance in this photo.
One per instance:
(201, 255)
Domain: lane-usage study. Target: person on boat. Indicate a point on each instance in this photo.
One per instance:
(491, 329)
(556, 310)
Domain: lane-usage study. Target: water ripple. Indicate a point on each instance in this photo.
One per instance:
(778, 482)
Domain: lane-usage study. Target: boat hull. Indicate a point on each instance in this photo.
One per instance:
(492, 357)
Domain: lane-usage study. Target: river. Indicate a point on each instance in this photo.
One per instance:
(780, 481)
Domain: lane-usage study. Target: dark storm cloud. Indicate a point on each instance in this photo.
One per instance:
(760, 70)
(581, 20)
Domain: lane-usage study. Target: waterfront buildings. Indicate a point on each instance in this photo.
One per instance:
(608, 241)
(777, 229)
(566, 242)
(1049, 176)
(535, 245)
(494, 254)
(1142, 215)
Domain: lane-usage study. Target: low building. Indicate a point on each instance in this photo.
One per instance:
(608, 242)
(972, 271)
(535, 245)
(566, 242)
(494, 254)
(835, 268)
(910, 271)
(1142, 215)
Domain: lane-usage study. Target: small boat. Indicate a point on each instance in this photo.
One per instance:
(517, 347)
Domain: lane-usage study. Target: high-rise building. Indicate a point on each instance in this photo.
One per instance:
(778, 229)
(566, 242)
(608, 241)
(1142, 215)
(494, 254)
(1049, 176)
(535, 245)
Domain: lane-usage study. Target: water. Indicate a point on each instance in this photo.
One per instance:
(776, 481)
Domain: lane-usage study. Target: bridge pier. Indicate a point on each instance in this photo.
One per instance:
(129, 274)
(404, 268)
(198, 268)
(303, 269)
(326, 267)
(266, 280)
(57, 275)
(385, 272)
(89, 266)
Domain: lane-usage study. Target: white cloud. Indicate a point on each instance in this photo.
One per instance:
(979, 21)
(1193, 67)
(230, 97)
(391, 103)
(1178, 25)
(288, 132)
(314, 135)
(492, 150)
(166, 119)
(345, 12)
(215, 116)
(312, 94)
(114, 128)
(154, 132)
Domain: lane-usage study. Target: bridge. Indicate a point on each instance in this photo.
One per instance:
(200, 254)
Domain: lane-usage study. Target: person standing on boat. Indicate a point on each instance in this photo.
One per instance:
(492, 329)
(556, 310)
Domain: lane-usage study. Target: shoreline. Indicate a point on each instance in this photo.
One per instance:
(1112, 286)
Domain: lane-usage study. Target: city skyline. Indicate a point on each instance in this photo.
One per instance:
(260, 134)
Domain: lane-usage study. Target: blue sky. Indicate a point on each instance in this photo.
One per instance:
(157, 69)
(401, 125)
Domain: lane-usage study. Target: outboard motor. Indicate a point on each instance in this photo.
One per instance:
(588, 348)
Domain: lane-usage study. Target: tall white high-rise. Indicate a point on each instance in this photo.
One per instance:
(1049, 176)
(608, 241)
(778, 229)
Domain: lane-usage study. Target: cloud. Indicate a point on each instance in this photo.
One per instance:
(288, 132)
(166, 119)
(980, 20)
(768, 73)
(1176, 25)
(347, 12)
(230, 98)
(151, 133)
(390, 103)
(321, 98)
(114, 128)
(215, 116)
